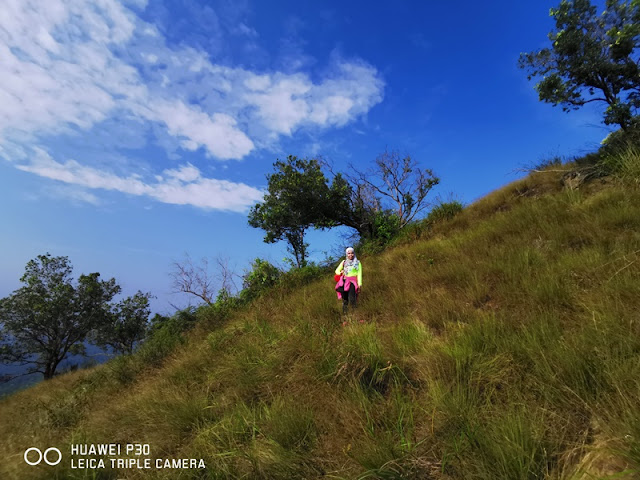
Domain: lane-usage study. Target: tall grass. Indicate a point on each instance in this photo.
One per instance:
(501, 343)
(624, 163)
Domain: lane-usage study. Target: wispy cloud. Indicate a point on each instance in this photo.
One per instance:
(77, 195)
(288, 102)
(63, 72)
(73, 67)
(182, 186)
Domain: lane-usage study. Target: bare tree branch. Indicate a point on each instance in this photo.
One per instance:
(198, 280)
(400, 181)
(226, 275)
(193, 279)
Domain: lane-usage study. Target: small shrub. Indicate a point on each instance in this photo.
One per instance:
(225, 304)
(160, 344)
(386, 225)
(303, 275)
(367, 247)
(262, 276)
(179, 322)
(620, 140)
(444, 211)
(624, 164)
(123, 369)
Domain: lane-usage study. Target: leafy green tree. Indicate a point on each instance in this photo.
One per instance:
(49, 317)
(128, 325)
(592, 58)
(298, 197)
(181, 321)
(355, 205)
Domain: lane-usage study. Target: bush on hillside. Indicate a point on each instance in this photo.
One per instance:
(224, 305)
(161, 343)
(385, 228)
(444, 211)
(262, 276)
(179, 322)
(386, 225)
(165, 334)
(304, 275)
(615, 156)
(620, 140)
(624, 164)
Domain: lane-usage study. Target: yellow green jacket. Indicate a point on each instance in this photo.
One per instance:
(353, 272)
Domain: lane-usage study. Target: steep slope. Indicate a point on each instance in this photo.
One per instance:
(503, 344)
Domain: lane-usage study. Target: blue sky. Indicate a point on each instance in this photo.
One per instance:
(134, 132)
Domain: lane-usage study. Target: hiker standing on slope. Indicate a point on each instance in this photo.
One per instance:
(350, 282)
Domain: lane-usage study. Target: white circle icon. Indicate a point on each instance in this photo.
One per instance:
(44, 456)
(26, 452)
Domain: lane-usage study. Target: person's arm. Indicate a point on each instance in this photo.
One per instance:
(340, 268)
(360, 276)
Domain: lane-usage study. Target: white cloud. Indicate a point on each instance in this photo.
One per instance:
(68, 69)
(258, 82)
(186, 173)
(208, 193)
(72, 67)
(182, 186)
(76, 195)
(76, 174)
(283, 107)
(151, 58)
(62, 71)
(217, 133)
(334, 109)
(243, 29)
(352, 90)
(287, 102)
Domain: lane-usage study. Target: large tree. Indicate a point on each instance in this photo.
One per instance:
(49, 317)
(592, 58)
(298, 197)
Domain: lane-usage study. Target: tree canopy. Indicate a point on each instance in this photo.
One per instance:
(50, 317)
(376, 203)
(127, 324)
(298, 197)
(592, 58)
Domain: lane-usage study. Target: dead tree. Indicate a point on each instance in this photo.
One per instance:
(399, 181)
(198, 280)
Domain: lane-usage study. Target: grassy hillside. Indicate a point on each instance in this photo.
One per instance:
(502, 344)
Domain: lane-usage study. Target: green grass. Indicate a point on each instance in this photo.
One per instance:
(508, 348)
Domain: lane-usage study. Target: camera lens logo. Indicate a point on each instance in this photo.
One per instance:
(42, 456)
